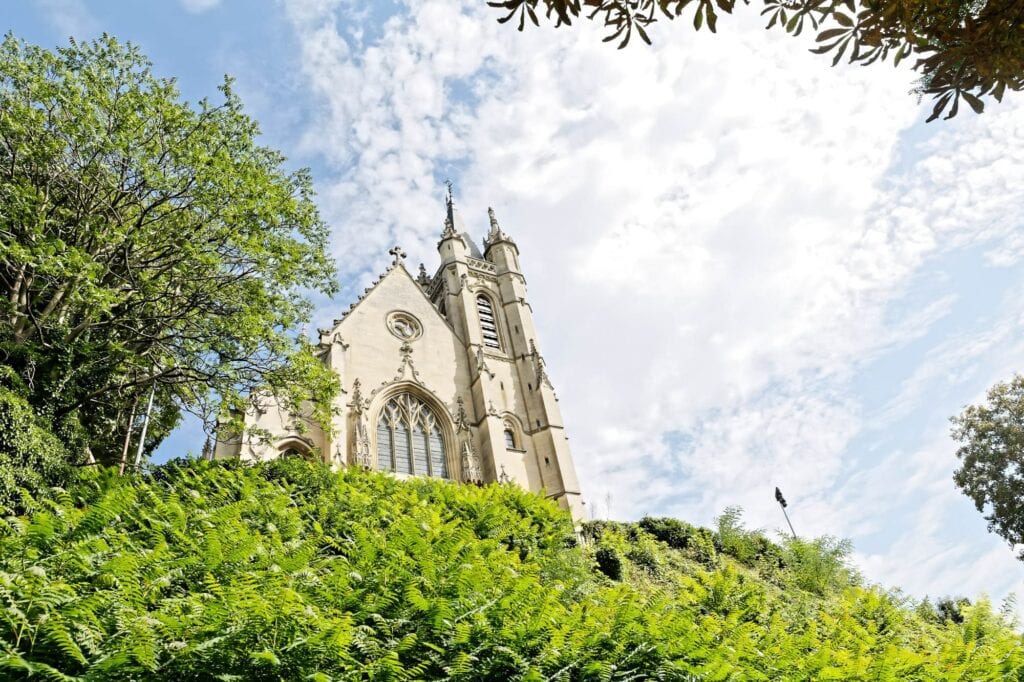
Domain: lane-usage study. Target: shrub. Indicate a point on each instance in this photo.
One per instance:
(644, 556)
(697, 543)
(32, 459)
(609, 562)
(672, 532)
(951, 609)
(819, 565)
(702, 548)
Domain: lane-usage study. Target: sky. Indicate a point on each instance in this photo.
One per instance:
(748, 269)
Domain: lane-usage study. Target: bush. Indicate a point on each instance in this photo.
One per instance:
(672, 532)
(697, 543)
(644, 556)
(819, 565)
(32, 459)
(609, 562)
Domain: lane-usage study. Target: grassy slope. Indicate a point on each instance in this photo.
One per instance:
(289, 571)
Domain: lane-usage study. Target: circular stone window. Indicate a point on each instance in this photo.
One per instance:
(404, 326)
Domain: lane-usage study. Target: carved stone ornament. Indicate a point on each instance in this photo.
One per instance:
(471, 470)
(403, 325)
(481, 363)
(460, 418)
(538, 362)
(406, 367)
(362, 455)
(358, 404)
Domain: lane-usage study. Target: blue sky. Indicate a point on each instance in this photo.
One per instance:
(748, 269)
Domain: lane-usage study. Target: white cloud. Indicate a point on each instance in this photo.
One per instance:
(199, 6)
(71, 17)
(720, 234)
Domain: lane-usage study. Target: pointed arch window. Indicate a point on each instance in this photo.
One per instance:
(409, 439)
(488, 326)
(512, 441)
(295, 448)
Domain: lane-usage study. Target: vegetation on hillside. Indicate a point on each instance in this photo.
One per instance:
(288, 571)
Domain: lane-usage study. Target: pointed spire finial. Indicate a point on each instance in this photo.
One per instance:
(495, 235)
(449, 203)
(449, 219)
(496, 230)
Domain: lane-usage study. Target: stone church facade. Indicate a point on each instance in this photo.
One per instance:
(441, 376)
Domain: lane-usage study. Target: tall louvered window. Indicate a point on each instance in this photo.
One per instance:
(409, 439)
(487, 324)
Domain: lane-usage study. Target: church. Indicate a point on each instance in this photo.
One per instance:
(441, 376)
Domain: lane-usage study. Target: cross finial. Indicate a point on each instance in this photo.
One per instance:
(448, 199)
(398, 254)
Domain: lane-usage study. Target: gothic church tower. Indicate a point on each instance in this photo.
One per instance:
(441, 376)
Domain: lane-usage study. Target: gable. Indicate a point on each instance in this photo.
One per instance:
(396, 291)
(374, 351)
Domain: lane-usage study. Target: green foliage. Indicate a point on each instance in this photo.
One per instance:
(146, 241)
(32, 459)
(964, 49)
(991, 454)
(288, 571)
(945, 610)
(818, 566)
(608, 562)
(697, 543)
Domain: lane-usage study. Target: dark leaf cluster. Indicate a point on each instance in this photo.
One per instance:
(964, 50)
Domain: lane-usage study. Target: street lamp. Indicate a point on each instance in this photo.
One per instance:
(782, 503)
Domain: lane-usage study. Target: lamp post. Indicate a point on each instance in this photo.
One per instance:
(145, 426)
(782, 503)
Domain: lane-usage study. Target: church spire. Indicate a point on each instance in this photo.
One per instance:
(453, 244)
(449, 220)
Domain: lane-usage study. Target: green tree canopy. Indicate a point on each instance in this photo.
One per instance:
(964, 49)
(147, 243)
(991, 454)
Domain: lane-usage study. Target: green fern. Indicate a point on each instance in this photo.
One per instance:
(290, 571)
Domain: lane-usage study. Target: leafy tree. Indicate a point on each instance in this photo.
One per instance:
(147, 244)
(991, 454)
(963, 49)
